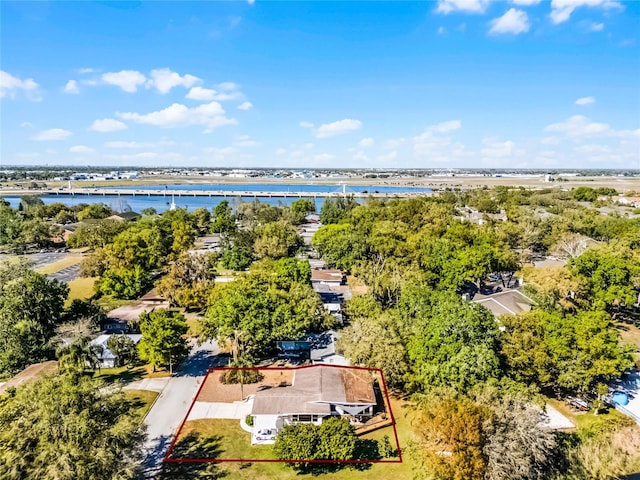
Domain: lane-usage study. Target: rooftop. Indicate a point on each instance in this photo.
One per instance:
(314, 389)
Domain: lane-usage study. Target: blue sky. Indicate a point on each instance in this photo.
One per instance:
(448, 83)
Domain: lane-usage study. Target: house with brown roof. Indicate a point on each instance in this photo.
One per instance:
(316, 392)
(125, 217)
(327, 276)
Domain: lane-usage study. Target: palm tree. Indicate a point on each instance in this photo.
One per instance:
(79, 355)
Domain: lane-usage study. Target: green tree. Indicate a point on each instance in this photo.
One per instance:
(76, 430)
(123, 348)
(237, 257)
(252, 313)
(335, 209)
(163, 338)
(223, 219)
(79, 356)
(31, 307)
(95, 211)
(96, 234)
(334, 439)
(189, 280)
(124, 283)
(10, 225)
(585, 194)
(35, 231)
(454, 343)
(570, 351)
(277, 240)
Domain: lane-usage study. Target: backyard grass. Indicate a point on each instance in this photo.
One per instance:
(80, 288)
(61, 264)
(630, 335)
(225, 439)
(142, 400)
(588, 423)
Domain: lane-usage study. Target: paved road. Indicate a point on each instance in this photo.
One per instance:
(67, 274)
(172, 404)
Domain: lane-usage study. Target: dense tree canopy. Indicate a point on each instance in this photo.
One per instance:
(163, 340)
(31, 306)
(76, 429)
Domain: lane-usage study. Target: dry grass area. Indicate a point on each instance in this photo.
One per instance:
(214, 390)
(80, 288)
(67, 261)
(630, 334)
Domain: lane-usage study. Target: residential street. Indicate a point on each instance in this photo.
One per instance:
(171, 406)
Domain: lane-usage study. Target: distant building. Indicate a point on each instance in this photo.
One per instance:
(125, 217)
(510, 302)
(107, 358)
(327, 277)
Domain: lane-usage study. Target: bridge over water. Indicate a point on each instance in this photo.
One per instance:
(117, 192)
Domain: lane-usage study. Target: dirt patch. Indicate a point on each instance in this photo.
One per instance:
(214, 390)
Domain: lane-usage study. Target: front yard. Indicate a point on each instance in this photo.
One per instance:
(224, 439)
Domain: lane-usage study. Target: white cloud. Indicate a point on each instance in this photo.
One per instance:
(71, 87)
(525, 3)
(596, 27)
(281, 151)
(86, 70)
(446, 127)
(81, 149)
(561, 10)
(127, 80)
(208, 95)
(387, 157)
(251, 2)
(121, 144)
(340, 127)
(210, 115)
(360, 156)
(585, 101)
(163, 80)
(308, 146)
(52, 134)
(306, 125)
(550, 140)
(513, 21)
(10, 86)
(200, 93)
(393, 143)
(366, 142)
(494, 150)
(26, 125)
(228, 86)
(245, 106)
(107, 125)
(580, 126)
(467, 6)
(441, 30)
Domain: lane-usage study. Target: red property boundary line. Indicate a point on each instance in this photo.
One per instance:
(167, 458)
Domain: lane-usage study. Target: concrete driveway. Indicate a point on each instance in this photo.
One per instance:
(172, 404)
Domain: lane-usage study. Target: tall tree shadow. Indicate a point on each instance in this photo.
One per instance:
(194, 446)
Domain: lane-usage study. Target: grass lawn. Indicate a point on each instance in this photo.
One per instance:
(110, 303)
(81, 288)
(143, 399)
(225, 439)
(54, 267)
(630, 335)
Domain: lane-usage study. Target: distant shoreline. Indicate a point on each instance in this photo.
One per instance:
(622, 184)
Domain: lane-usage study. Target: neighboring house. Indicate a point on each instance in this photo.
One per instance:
(107, 358)
(125, 217)
(474, 216)
(509, 302)
(206, 244)
(113, 325)
(152, 297)
(327, 277)
(629, 201)
(325, 352)
(317, 392)
(32, 372)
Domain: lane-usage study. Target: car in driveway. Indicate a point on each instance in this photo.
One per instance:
(267, 434)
